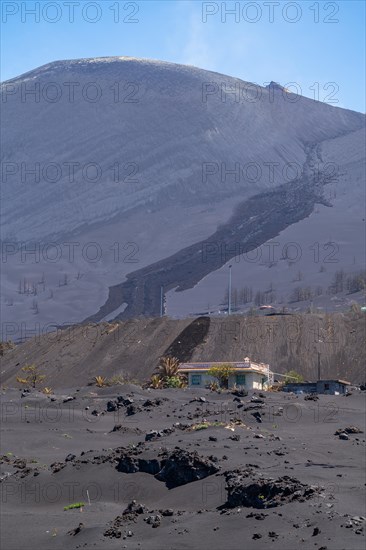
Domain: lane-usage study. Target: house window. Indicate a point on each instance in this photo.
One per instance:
(326, 386)
(240, 379)
(196, 379)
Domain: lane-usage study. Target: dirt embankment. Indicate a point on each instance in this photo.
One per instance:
(133, 348)
(292, 342)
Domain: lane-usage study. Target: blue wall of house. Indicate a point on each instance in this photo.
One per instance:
(251, 380)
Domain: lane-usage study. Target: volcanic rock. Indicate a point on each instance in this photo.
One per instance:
(246, 488)
(182, 467)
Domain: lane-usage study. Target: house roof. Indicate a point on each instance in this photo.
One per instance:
(313, 383)
(245, 366)
(345, 382)
(252, 369)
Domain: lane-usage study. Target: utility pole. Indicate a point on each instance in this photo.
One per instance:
(319, 365)
(229, 304)
(161, 301)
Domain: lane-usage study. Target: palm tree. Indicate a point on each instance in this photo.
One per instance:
(168, 367)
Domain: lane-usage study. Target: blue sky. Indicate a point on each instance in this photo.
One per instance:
(317, 44)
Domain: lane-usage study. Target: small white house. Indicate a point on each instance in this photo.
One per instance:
(247, 374)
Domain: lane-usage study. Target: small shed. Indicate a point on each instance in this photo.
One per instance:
(328, 387)
(332, 387)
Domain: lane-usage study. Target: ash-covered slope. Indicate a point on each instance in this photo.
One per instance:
(162, 119)
(133, 161)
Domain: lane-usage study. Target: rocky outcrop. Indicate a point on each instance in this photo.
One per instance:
(182, 467)
(174, 468)
(247, 488)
